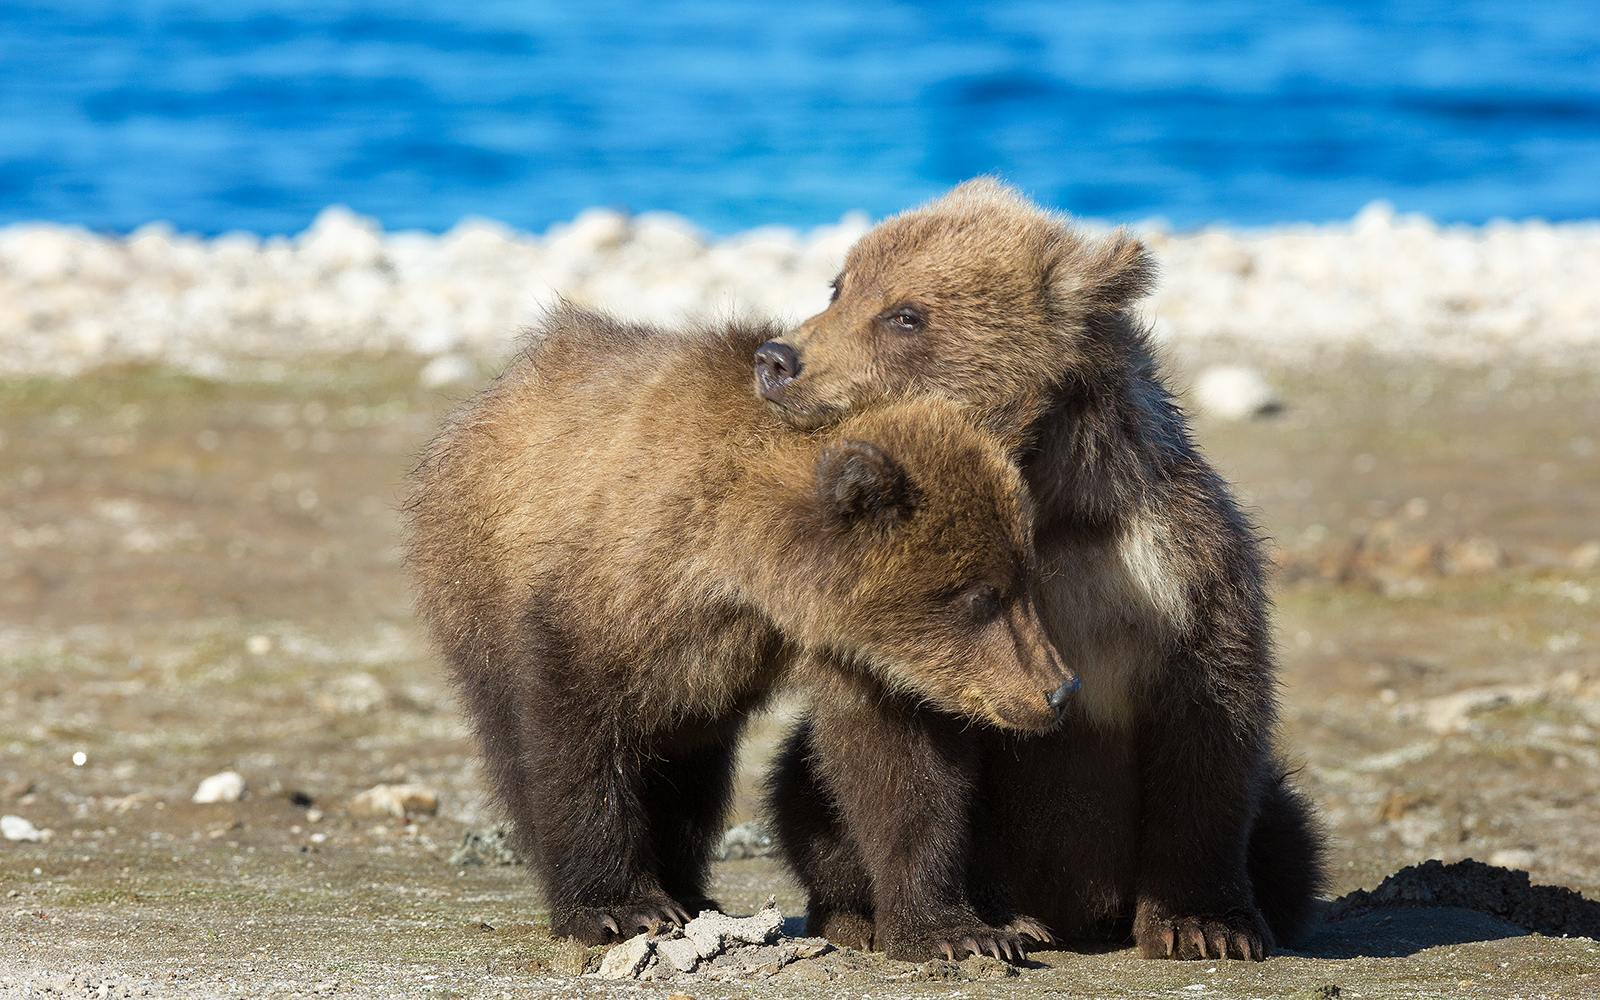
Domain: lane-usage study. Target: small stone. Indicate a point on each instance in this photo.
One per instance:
(747, 840)
(1515, 858)
(352, 694)
(1585, 556)
(491, 848)
(1327, 991)
(17, 828)
(227, 786)
(1453, 712)
(1472, 556)
(1234, 392)
(398, 801)
(810, 947)
(682, 953)
(447, 369)
(624, 961)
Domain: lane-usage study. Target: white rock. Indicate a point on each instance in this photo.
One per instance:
(396, 801)
(625, 960)
(1585, 556)
(1451, 713)
(352, 694)
(682, 953)
(711, 932)
(227, 786)
(17, 828)
(1233, 392)
(339, 239)
(747, 840)
(447, 369)
(1516, 858)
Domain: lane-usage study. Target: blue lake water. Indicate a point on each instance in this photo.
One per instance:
(254, 114)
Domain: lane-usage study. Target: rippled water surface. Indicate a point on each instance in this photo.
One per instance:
(254, 114)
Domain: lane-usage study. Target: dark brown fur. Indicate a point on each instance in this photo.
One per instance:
(620, 551)
(1159, 808)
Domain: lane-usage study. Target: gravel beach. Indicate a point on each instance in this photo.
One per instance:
(230, 766)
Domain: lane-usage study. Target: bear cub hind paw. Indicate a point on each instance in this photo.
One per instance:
(591, 926)
(1240, 934)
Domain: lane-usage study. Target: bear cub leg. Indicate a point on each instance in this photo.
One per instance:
(593, 848)
(588, 813)
(901, 782)
(812, 838)
(686, 796)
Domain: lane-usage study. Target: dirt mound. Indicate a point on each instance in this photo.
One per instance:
(1552, 910)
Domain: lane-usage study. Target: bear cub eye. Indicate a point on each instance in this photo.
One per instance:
(904, 319)
(981, 603)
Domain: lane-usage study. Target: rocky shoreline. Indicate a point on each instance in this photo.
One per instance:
(71, 300)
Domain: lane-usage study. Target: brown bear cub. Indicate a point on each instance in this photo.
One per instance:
(1159, 808)
(620, 552)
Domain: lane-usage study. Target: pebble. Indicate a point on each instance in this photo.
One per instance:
(1392, 284)
(683, 953)
(1452, 713)
(228, 786)
(352, 694)
(17, 828)
(1233, 392)
(1515, 858)
(396, 801)
(747, 840)
(492, 847)
(627, 959)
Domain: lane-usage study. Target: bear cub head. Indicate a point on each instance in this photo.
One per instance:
(978, 296)
(911, 557)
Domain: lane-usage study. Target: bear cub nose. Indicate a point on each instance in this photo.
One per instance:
(1058, 698)
(776, 366)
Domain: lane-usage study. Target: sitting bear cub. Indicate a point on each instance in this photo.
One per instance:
(621, 552)
(1159, 808)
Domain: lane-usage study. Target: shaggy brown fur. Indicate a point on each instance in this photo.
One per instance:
(620, 551)
(1159, 807)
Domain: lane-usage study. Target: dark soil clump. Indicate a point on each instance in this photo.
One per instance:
(1552, 910)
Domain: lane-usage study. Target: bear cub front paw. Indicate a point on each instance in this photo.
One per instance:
(592, 925)
(955, 943)
(1240, 933)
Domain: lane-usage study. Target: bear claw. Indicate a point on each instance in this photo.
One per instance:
(1239, 934)
(1030, 928)
(1003, 944)
(595, 926)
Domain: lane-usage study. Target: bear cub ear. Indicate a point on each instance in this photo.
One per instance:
(1109, 273)
(859, 483)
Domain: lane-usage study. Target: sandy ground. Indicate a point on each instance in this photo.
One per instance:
(198, 576)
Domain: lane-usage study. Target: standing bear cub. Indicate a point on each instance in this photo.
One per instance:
(1159, 807)
(620, 553)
